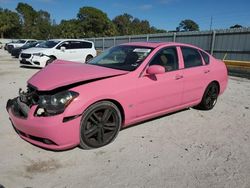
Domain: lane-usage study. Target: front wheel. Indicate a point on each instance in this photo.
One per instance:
(209, 98)
(50, 60)
(100, 125)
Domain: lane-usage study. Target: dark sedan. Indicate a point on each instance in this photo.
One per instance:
(16, 51)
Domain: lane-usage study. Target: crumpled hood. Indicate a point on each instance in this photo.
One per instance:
(62, 73)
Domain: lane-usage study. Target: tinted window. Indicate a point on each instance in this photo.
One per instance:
(205, 57)
(191, 57)
(66, 44)
(80, 45)
(167, 58)
(86, 44)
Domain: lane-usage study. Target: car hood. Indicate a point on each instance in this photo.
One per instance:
(62, 73)
(34, 50)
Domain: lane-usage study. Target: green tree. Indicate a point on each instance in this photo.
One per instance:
(35, 24)
(123, 24)
(188, 25)
(70, 29)
(9, 23)
(94, 22)
(42, 25)
(28, 16)
(128, 25)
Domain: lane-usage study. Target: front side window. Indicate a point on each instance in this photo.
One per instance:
(167, 58)
(65, 44)
(122, 57)
(191, 57)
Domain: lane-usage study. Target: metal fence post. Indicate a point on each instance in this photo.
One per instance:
(103, 43)
(147, 38)
(174, 37)
(129, 38)
(114, 41)
(94, 42)
(212, 43)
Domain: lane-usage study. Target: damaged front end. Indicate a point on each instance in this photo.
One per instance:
(21, 105)
(38, 118)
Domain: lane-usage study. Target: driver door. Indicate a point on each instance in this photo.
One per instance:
(160, 92)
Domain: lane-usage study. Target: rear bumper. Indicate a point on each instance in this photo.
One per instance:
(47, 132)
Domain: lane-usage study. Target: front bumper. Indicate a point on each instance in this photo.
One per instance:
(47, 132)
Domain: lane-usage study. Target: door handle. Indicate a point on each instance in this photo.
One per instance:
(178, 77)
(206, 71)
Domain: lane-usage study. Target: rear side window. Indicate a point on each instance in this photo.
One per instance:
(191, 57)
(86, 45)
(205, 57)
(80, 45)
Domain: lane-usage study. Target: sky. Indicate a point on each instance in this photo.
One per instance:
(162, 14)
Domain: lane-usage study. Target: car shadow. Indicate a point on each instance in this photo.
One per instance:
(27, 67)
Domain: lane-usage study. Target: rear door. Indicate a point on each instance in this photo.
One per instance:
(193, 75)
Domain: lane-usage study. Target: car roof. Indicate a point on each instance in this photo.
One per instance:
(158, 44)
(68, 40)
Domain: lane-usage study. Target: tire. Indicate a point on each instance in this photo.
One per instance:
(89, 57)
(210, 97)
(100, 125)
(50, 60)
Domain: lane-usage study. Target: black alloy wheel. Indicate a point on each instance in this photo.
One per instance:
(100, 125)
(210, 96)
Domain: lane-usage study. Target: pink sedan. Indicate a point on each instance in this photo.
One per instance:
(68, 104)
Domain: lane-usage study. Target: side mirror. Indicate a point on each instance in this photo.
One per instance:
(155, 69)
(62, 48)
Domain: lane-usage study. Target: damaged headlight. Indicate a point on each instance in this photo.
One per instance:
(55, 104)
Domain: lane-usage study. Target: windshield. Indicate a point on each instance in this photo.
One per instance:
(48, 44)
(122, 57)
(21, 41)
(29, 45)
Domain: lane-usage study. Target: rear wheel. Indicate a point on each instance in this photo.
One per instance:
(88, 58)
(209, 98)
(100, 125)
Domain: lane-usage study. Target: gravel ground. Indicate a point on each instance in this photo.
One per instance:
(190, 148)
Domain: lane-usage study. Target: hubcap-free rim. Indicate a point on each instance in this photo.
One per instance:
(100, 126)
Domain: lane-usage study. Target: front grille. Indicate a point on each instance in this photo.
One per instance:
(10, 47)
(16, 110)
(26, 56)
(23, 61)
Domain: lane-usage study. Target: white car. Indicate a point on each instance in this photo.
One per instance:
(19, 43)
(77, 50)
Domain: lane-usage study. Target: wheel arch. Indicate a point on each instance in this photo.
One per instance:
(118, 104)
(217, 83)
(53, 56)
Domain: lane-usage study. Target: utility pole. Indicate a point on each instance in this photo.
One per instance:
(211, 23)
